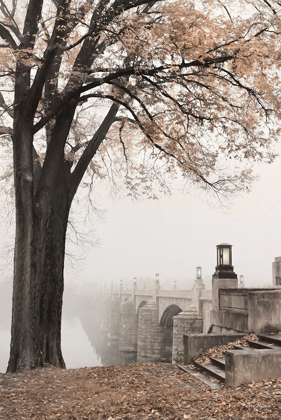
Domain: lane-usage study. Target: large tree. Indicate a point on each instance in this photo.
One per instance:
(149, 88)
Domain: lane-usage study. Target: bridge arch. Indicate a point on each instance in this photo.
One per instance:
(141, 305)
(166, 320)
(166, 324)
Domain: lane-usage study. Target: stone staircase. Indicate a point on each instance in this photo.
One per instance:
(213, 374)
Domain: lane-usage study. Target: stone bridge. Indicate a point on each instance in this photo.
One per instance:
(152, 322)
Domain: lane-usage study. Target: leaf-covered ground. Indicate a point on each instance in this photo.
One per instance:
(140, 392)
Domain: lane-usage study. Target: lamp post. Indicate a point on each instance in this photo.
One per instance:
(198, 287)
(224, 268)
(198, 273)
(224, 276)
(157, 282)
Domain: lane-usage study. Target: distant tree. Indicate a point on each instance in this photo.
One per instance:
(151, 89)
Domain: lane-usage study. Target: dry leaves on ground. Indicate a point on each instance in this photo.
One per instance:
(139, 392)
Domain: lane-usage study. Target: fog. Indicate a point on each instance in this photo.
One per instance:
(84, 343)
(173, 235)
(170, 236)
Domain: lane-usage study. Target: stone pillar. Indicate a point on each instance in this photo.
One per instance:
(276, 272)
(220, 283)
(224, 276)
(197, 291)
(186, 322)
(114, 318)
(150, 334)
(156, 289)
(205, 312)
(128, 327)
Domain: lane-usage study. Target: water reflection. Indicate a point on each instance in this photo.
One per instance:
(81, 349)
(84, 341)
(92, 315)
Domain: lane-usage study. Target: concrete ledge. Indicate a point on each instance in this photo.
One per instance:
(264, 311)
(195, 344)
(246, 366)
(232, 319)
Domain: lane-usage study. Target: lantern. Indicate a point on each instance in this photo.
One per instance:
(198, 272)
(224, 268)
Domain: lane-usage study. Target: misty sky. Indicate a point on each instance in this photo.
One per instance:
(175, 234)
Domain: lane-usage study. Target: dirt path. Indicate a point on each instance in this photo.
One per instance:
(140, 392)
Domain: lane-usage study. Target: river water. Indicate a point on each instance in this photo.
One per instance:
(84, 344)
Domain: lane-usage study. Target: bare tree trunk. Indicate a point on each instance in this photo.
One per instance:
(51, 274)
(23, 339)
(38, 272)
(43, 203)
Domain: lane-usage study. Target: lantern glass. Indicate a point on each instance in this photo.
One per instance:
(198, 272)
(225, 256)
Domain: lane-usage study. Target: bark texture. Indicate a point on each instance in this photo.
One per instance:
(41, 224)
(43, 201)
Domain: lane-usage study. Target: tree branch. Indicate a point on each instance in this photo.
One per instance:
(6, 36)
(4, 130)
(58, 35)
(92, 148)
(10, 15)
(32, 17)
(122, 73)
(3, 105)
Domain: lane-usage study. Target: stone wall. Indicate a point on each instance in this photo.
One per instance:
(249, 310)
(228, 321)
(114, 318)
(264, 311)
(247, 366)
(150, 334)
(218, 284)
(128, 327)
(184, 323)
(233, 299)
(205, 309)
(195, 344)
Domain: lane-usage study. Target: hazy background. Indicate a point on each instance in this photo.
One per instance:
(173, 235)
(170, 236)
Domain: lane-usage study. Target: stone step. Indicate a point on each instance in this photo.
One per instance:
(200, 376)
(212, 370)
(240, 347)
(274, 338)
(262, 345)
(218, 362)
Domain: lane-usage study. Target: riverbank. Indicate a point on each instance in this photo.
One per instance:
(139, 392)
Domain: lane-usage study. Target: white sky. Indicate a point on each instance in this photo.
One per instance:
(175, 234)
